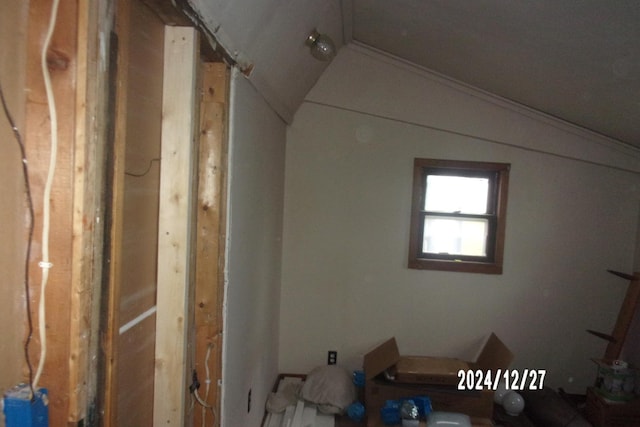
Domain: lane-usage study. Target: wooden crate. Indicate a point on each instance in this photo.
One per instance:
(602, 413)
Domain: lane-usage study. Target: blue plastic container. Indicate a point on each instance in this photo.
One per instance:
(355, 411)
(390, 413)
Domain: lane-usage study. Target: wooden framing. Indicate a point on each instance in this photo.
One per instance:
(113, 215)
(175, 225)
(135, 324)
(80, 64)
(82, 57)
(61, 60)
(133, 192)
(627, 311)
(86, 274)
(209, 285)
(78, 77)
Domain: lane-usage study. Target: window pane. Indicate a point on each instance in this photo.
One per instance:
(456, 194)
(455, 236)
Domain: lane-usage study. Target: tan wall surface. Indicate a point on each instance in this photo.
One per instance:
(12, 201)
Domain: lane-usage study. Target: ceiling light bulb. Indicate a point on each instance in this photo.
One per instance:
(321, 46)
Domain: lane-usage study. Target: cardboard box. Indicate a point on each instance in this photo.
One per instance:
(435, 377)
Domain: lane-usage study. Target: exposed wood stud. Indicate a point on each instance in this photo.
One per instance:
(87, 206)
(208, 287)
(58, 372)
(109, 339)
(175, 225)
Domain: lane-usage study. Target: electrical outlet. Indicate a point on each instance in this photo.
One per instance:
(249, 401)
(332, 357)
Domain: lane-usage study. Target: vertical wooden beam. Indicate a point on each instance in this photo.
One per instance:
(61, 63)
(628, 308)
(175, 225)
(114, 217)
(209, 245)
(88, 169)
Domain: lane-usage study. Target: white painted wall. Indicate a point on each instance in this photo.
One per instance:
(252, 288)
(345, 284)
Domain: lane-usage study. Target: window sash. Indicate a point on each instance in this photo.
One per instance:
(489, 239)
(492, 176)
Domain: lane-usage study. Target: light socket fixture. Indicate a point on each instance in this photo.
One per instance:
(321, 46)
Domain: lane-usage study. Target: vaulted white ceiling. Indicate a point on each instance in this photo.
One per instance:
(575, 60)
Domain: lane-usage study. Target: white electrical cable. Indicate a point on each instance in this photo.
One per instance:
(203, 402)
(207, 383)
(45, 264)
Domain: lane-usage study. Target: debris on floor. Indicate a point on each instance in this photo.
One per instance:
(285, 409)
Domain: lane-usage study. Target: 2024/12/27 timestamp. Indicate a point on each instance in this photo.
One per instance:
(529, 379)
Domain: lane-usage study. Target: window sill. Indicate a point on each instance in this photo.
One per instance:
(459, 266)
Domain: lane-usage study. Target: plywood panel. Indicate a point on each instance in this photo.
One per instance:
(134, 212)
(135, 375)
(175, 225)
(142, 162)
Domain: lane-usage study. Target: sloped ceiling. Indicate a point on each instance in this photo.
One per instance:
(267, 40)
(578, 61)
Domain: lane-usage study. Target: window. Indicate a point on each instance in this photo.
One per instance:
(458, 215)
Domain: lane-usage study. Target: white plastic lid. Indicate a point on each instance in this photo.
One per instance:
(448, 419)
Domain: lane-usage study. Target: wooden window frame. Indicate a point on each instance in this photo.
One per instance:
(498, 174)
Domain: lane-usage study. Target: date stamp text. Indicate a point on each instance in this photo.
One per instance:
(528, 379)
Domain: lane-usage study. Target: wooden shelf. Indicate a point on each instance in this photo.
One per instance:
(602, 335)
(625, 316)
(623, 275)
